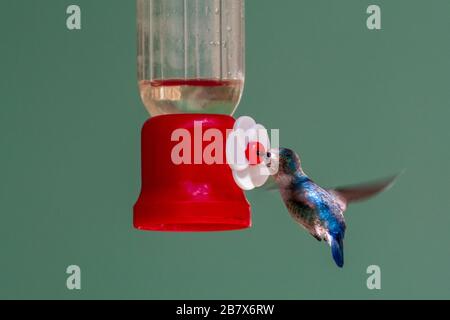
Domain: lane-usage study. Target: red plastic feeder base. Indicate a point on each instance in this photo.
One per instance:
(187, 197)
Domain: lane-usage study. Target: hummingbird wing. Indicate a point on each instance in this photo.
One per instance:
(364, 191)
(271, 184)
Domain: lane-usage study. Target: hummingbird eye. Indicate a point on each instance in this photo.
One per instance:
(269, 155)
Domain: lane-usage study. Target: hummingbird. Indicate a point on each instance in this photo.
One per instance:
(319, 210)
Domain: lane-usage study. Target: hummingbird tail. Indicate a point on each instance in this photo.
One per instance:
(364, 191)
(337, 250)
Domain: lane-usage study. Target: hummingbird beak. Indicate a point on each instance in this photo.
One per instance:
(265, 157)
(270, 158)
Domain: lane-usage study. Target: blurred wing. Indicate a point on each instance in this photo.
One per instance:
(364, 191)
(270, 185)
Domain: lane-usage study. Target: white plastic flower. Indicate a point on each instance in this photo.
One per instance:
(246, 147)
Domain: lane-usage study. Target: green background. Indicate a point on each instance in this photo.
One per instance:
(356, 104)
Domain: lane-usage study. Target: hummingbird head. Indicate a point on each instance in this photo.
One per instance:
(288, 162)
(282, 161)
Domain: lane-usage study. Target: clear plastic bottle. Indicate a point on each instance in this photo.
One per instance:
(191, 55)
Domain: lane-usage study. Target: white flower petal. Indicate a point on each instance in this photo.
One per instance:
(243, 179)
(244, 123)
(262, 136)
(247, 176)
(235, 151)
(263, 170)
(257, 178)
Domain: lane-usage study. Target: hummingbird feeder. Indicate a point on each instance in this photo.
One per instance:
(191, 78)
